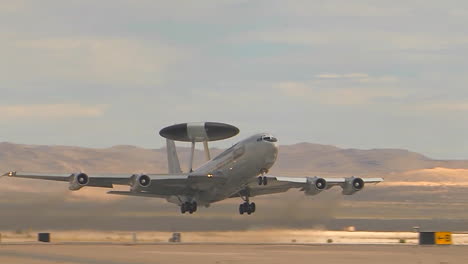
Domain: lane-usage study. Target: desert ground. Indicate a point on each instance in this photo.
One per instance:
(230, 253)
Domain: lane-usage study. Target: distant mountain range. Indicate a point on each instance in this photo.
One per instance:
(305, 159)
(417, 191)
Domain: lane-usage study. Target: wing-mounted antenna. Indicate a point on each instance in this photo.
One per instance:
(173, 164)
(198, 132)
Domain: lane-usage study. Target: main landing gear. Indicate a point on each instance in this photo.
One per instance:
(247, 208)
(189, 207)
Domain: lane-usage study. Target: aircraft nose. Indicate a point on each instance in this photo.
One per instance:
(272, 153)
(274, 146)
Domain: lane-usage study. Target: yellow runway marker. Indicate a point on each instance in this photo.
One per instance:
(443, 238)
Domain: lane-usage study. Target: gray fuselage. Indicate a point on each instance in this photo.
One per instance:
(238, 165)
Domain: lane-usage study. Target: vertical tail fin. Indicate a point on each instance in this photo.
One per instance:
(172, 158)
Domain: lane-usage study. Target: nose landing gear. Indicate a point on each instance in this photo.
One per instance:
(262, 180)
(189, 207)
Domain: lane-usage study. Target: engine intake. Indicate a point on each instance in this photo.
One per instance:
(78, 181)
(352, 185)
(144, 180)
(315, 185)
(139, 182)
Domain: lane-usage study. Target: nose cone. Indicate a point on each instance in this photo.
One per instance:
(272, 154)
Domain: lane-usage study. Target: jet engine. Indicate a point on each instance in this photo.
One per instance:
(315, 185)
(140, 181)
(78, 181)
(352, 185)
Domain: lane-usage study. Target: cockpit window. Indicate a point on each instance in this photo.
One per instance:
(269, 139)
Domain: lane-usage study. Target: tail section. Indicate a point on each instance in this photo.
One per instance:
(172, 158)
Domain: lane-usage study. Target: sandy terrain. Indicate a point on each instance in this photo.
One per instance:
(258, 254)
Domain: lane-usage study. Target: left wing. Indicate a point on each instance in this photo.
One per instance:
(161, 184)
(76, 180)
(309, 185)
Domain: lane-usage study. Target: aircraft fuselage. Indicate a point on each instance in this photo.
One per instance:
(238, 165)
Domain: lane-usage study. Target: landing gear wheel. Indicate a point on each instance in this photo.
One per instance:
(246, 207)
(262, 180)
(252, 207)
(190, 207)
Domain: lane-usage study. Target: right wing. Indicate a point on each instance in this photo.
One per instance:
(309, 185)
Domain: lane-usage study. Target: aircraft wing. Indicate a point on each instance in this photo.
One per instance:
(105, 181)
(309, 185)
(157, 184)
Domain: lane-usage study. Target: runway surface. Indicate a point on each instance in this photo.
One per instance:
(229, 253)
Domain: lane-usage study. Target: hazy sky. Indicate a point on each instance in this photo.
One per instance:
(360, 74)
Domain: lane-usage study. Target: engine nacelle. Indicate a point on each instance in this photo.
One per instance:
(139, 182)
(78, 181)
(352, 185)
(315, 185)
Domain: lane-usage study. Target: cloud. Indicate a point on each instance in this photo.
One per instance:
(342, 76)
(11, 6)
(50, 111)
(284, 36)
(357, 96)
(368, 39)
(461, 12)
(337, 8)
(356, 77)
(453, 106)
(86, 59)
(342, 89)
(345, 96)
(293, 88)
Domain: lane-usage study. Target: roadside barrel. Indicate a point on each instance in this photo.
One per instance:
(43, 237)
(176, 238)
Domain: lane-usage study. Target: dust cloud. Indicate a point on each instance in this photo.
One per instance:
(51, 206)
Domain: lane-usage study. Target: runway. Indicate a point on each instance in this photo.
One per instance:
(229, 253)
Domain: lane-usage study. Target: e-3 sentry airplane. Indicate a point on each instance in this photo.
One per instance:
(240, 171)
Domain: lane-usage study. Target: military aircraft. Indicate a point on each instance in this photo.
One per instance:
(240, 171)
